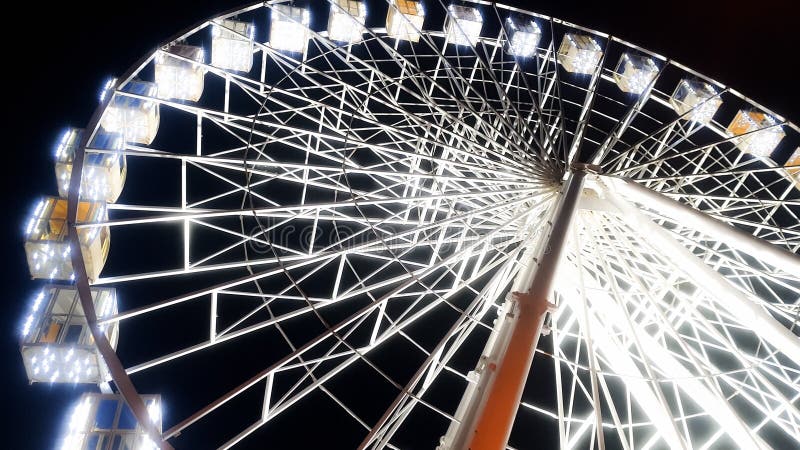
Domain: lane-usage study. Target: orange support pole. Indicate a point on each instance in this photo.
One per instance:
(495, 415)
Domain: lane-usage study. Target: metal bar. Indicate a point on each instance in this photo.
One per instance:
(737, 302)
(741, 240)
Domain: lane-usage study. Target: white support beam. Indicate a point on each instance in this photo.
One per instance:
(745, 309)
(735, 238)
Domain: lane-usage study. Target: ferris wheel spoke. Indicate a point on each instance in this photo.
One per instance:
(662, 364)
(425, 78)
(405, 393)
(771, 331)
(363, 312)
(390, 80)
(454, 258)
(729, 347)
(306, 259)
(243, 124)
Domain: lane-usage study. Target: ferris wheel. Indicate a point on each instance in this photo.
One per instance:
(419, 225)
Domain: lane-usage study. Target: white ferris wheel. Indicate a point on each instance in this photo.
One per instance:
(419, 225)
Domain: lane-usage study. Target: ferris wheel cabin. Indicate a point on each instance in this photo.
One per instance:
(130, 113)
(291, 24)
(696, 99)
(180, 74)
(404, 20)
(634, 73)
(57, 345)
(346, 20)
(232, 45)
(523, 36)
(579, 53)
(463, 25)
(104, 167)
(47, 245)
(757, 133)
(105, 421)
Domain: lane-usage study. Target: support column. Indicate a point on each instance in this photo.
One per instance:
(491, 408)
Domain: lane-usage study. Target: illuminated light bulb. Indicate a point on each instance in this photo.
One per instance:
(54, 376)
(463, 25)
(579, 53)
(36, 370)
(761, 135)
(346, 20)
(523, 37)
(405, 19)
(634, 73)
(289, 29)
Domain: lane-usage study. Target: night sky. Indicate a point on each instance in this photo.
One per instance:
(54, 82)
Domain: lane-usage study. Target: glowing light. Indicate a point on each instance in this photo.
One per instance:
(65, 149)
(179, 73)
(38, 301)
(523, 37)
(29, 228)
(760, 135)
(635, 73)
(579, 53)
(232, 45)
(107, 87)
(154, 411)
(346, 20)
(26, 327)
(289, 29)
(405, 19)
(39, 208)
(463, 25)
(77, 425)
(698, 97)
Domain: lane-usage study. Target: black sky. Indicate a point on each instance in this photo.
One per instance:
(55, 65)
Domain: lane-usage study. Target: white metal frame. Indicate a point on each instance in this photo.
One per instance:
(421, 175)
